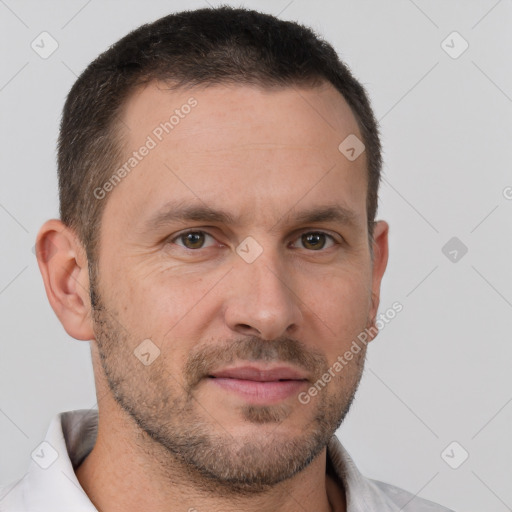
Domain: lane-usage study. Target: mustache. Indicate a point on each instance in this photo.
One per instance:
(207, 358)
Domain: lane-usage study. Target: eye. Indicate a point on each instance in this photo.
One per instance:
(192, 239)
(316, 240)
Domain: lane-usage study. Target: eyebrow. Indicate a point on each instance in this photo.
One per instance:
(181, 212)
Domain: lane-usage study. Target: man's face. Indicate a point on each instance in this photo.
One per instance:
(250, 308)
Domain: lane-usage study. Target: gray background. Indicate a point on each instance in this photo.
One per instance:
(440, 371)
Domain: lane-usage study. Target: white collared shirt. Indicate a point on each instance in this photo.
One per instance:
(50, 484)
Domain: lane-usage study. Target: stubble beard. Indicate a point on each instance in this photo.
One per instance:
(176, 432)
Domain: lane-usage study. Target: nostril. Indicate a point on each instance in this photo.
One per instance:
(247, 329)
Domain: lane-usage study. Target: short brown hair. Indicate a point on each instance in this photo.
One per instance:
(206, 46)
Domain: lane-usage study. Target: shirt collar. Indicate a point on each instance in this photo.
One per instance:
(55, 487)
(361, 493)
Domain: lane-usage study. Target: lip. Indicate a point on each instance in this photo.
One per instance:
(260, 385)
(260, 373)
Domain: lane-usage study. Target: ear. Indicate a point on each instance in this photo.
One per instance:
(380, 261)
(63, 265)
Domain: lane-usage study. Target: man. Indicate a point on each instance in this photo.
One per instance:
(218, 178)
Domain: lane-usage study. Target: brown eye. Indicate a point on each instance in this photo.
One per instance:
(315, 240)
(192, 239)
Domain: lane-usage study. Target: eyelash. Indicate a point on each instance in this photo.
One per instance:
(185, 233)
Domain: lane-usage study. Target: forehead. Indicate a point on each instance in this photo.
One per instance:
(273, 110)
(245, 147)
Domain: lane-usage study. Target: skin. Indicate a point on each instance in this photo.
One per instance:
(263, 156)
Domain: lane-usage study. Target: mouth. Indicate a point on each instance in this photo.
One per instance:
(259, 385)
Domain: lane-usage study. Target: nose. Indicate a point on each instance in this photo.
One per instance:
(263, 301)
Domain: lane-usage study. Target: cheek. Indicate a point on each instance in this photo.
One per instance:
(169, 305)
(343, 291)
(342, 302)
